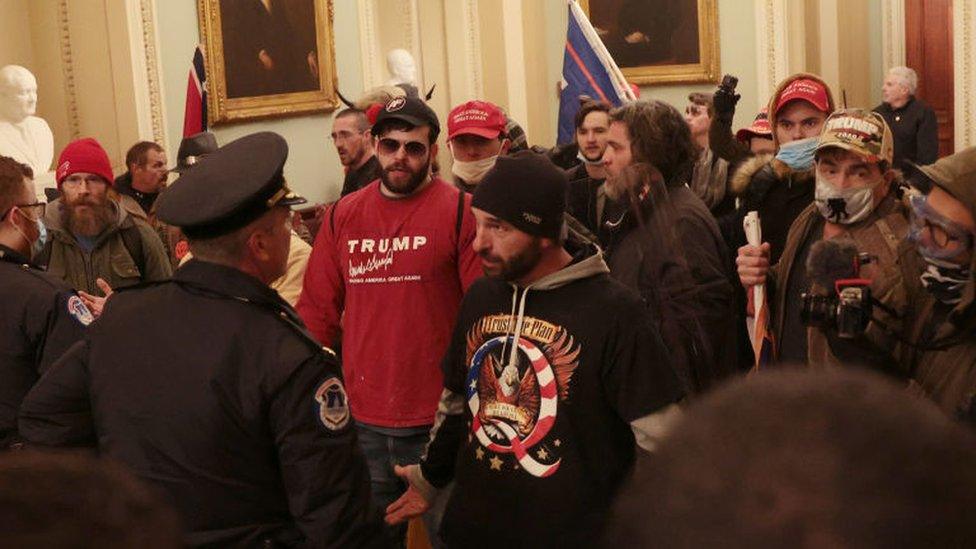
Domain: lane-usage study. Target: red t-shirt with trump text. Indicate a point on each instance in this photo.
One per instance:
(393, 271)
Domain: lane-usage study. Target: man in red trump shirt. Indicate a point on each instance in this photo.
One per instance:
(392, 260)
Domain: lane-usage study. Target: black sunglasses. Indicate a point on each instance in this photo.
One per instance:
(390, 146)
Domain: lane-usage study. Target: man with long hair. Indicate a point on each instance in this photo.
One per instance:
(666, 244)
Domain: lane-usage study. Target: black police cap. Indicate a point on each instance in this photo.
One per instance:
(411, 110)
(230, 187)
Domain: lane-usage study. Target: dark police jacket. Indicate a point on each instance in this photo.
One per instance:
(40, 317)
(208, 387)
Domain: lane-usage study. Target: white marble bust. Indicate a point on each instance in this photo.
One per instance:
(403, 69)
(23, 136)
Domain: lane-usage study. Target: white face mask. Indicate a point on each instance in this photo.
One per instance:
(844, 206)
(474, 171)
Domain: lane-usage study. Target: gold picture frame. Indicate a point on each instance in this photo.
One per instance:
(280, 79)
(704, 67)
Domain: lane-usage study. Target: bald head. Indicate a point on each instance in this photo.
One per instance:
(18, 93)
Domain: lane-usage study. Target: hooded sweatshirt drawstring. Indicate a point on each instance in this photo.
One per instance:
(511, 315)
(513, 353)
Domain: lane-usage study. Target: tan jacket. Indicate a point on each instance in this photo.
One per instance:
(948, 375)
(110, 259)
(894, 274)
(289, 286)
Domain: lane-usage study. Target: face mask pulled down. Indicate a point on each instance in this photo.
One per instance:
(844, 206)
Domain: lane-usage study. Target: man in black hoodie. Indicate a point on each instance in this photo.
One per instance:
(552, 371)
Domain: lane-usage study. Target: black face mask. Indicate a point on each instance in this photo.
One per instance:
(946, 283)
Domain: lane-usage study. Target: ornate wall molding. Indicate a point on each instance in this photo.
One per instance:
(892, 33)
(368, 43)
(147, 12)
(377, 37)
(964, 55)
(772, 45)
(472, 47)
(67, 69)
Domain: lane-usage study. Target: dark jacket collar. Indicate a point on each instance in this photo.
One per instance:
(227, 282)
(12, 256)
(911, 99)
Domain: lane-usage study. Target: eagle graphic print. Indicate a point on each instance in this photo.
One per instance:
(514, 388)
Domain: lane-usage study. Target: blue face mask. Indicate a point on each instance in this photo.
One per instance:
(798, 154)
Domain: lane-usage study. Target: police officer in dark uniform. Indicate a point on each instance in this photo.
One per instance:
(208, 385)
(40, 316)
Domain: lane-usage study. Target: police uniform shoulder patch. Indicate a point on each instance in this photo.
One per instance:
(333, 404)
(78, 310)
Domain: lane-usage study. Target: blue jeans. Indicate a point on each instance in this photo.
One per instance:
(384, 450)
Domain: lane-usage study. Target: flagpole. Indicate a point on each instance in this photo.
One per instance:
(601, 49)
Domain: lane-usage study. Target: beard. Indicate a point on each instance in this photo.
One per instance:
(515, 267)
(404, 187)
(614, 187)
(87, 216)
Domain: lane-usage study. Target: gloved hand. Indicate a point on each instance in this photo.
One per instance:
(724, 103)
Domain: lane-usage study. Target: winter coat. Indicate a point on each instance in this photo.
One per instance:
(127, 253)
(947, 373)
(672, 253)
(894, 274)
(770, 187)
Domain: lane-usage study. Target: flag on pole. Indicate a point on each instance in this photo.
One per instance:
(195, 113)
(588, 69)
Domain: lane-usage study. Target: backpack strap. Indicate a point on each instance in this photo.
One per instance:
(460, 216)
(133, 244)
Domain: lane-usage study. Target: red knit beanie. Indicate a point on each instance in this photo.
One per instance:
(87, 156)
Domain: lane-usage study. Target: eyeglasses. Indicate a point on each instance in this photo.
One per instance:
(390, 146)
(75, 181)
(934, 231)
(37, 209)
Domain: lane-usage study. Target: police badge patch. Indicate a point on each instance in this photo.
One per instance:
(77, 309)
(333, 404)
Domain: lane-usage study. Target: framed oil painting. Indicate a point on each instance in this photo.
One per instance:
(267, 58)
(659, 41)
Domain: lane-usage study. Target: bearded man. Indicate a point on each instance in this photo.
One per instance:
(392, 261)
(91, 236)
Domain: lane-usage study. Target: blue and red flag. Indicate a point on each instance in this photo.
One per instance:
(195, 113)
(588, 70)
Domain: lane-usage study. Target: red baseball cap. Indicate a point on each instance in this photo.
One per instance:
(808, 90)
(84, 155)
(479, 118)
(760, 127)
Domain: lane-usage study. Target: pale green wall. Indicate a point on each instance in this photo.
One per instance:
(875, 42)
(737, 47)
(313, 168)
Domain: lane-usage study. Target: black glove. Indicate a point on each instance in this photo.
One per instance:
(724, 103)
